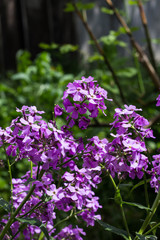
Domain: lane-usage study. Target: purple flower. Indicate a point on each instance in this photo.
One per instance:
(58, 110)
(158, 101)
(83, 123)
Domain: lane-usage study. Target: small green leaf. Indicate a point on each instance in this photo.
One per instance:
(113, 229)
(132, 2)
(85, 6)
(139, 184)
(79, 5)
(156, 40)
(20, 76)
(95, 57)
(29, 180)
(68, 48)
(137, 205)
(69, 7)
(127, 72)
(35, 222)
(107, 11)
(9, 230)
(149, 237)
(46, 46)
(5, 205)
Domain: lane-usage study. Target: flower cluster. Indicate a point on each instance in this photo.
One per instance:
(126, 153)
(66, 170)
(69, 233)
(86, 97)
(59, 183)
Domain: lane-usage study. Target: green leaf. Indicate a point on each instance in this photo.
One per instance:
(29, 180)
(107, 11)
(5, 205)
(137, 205)
(149, 237)
(139, 184)
(156, 40)
(46, 46)
(132, 2)
(95, 57)
(35, 222)
(113, 229)
(69, 7)
(127, 72)
(108, 40)
(68, 48)
(79, 5)
(9, 230)
(20, 76)
(85, 6)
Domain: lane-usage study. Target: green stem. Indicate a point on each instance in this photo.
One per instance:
(121, 206)
(153, 228)
(140, 80)
(125, 221)
(150, 215)
(146, 191)
(11, 220)
(31, 169)
(31, 210)
(10, 176)
(13, 216)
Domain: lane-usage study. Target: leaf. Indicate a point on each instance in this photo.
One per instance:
(46, 46)
(85, 6)
(9, 230)
(35, 222)
(69, 7)
(132, 2)
(113, 229)
(20, 76)
(108, 40)
(149, 237)
(68, 48)
(95, 57)
(107, 11)
(79, 5)
(127, 72)
(139, 184)
(29, 180)
(137, 205)
(5, 205)
(156, 40)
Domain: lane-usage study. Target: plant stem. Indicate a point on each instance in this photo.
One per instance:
(10, 176)
(146, 191)
(143, 56)
(106, 60)
(153, 228)
(121, 207)
(150, 215)
(12, 218)
(146, 30)
(125, 221)
(31, 169)
(140, 80)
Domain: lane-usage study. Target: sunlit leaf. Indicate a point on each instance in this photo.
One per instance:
(5, 205)
(137, 205)
(113, 229)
